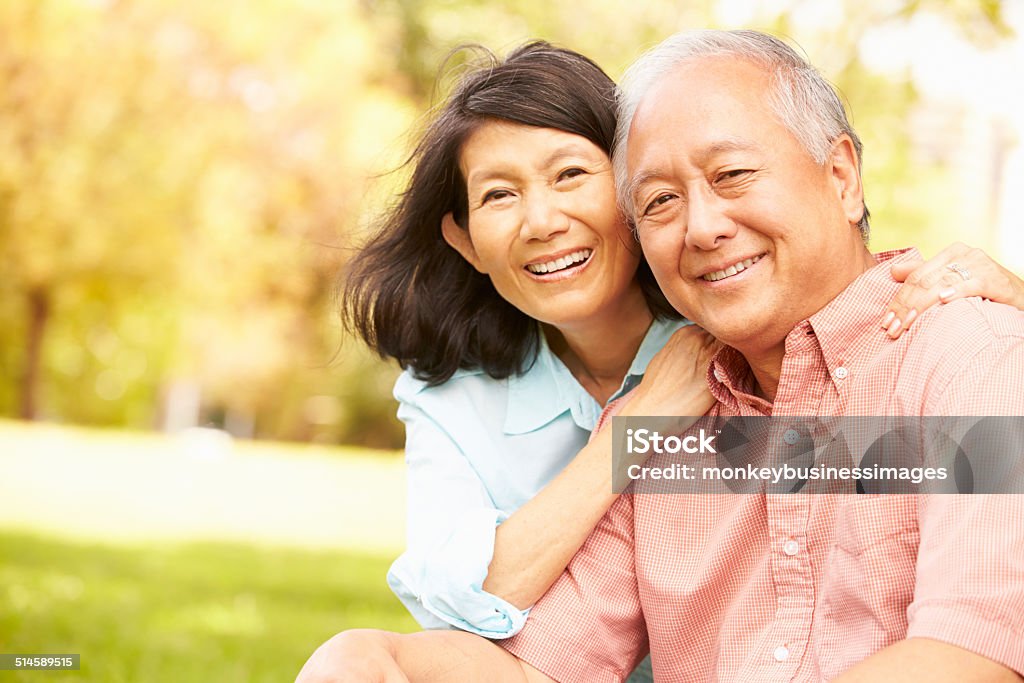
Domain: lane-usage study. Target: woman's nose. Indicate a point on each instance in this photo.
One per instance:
(544, 218)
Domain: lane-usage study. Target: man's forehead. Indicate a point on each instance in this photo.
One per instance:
(704, 107)
(703, 84)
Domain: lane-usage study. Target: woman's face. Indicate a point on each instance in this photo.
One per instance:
(544, 224)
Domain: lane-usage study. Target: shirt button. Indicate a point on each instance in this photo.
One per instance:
(841, 372)
(719, 375)
(791, 547)
(791, 436)
(781, 653)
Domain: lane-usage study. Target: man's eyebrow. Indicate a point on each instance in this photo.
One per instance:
(641, 179)
(705, 154)
(724, 146)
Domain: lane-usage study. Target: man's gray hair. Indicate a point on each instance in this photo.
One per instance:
(802, 99)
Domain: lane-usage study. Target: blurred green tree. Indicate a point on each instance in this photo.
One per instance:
(176, 185)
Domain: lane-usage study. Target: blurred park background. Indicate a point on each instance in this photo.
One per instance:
(199, 474)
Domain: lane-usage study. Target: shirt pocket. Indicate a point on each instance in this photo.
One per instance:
(868, 578)
(865, 522)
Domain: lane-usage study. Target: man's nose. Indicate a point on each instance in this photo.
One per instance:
(707, 224)
(543, 218)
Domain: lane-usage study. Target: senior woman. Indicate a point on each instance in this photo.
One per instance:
(509, 286)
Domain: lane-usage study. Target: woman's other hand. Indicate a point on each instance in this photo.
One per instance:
(675, 383)
(941, 279)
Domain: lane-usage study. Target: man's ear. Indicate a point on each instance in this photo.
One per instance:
(459, 240)
(846, 176)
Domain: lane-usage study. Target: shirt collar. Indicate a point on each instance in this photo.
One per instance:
(657, 336)
(547, 389)
(731, 380)
(845, 330)
(848, 329)
(535, 397)
(855, 315)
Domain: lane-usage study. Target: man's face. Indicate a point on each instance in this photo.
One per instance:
(745, 232)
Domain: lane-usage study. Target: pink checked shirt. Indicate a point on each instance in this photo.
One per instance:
(802, 587)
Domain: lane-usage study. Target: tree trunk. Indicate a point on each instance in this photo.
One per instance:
(38, 316)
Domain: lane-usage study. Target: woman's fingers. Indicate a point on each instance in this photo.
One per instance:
(922, 282)
(956, 272)
(689, 348)
(901, 270)
(675, 382)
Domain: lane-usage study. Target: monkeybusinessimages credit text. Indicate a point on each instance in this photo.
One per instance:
(818, 455)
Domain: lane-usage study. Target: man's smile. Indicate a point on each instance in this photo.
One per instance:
(732, 269)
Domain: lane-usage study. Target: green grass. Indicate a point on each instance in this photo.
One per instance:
(191, 612)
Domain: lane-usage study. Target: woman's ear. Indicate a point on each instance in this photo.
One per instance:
(459, 240)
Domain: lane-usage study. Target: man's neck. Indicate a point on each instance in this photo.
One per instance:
(767, 369)
(766, 361)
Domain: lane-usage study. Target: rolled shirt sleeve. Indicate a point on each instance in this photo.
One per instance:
(451, 530)
(589, 627)
(969, 587)
(970, 575)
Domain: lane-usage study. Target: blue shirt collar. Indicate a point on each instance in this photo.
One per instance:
(547, 389)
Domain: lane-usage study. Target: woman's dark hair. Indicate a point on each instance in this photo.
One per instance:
(412, 297)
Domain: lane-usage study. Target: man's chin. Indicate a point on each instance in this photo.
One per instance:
(748, 337)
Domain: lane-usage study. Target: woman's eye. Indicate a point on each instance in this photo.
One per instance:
(495, 195)
(570, 173)
(658, 201)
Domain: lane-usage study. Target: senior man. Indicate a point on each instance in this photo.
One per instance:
(742, 175)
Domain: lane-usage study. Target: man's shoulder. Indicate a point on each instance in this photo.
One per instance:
(963, 358)
(966, 325)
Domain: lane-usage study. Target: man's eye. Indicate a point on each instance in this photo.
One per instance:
(570, 173)
(734, 174)
(658, 201)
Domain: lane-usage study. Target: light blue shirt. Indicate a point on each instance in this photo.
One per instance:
(477, 449)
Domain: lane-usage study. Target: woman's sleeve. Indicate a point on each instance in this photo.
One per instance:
(451, 524)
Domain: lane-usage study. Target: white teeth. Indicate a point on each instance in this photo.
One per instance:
(560, 263)
(731, 270)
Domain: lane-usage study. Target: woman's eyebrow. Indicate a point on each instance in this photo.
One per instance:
(501, 171)
(566, 151)
(487, 175)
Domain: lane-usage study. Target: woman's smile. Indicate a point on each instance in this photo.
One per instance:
(561, 266)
